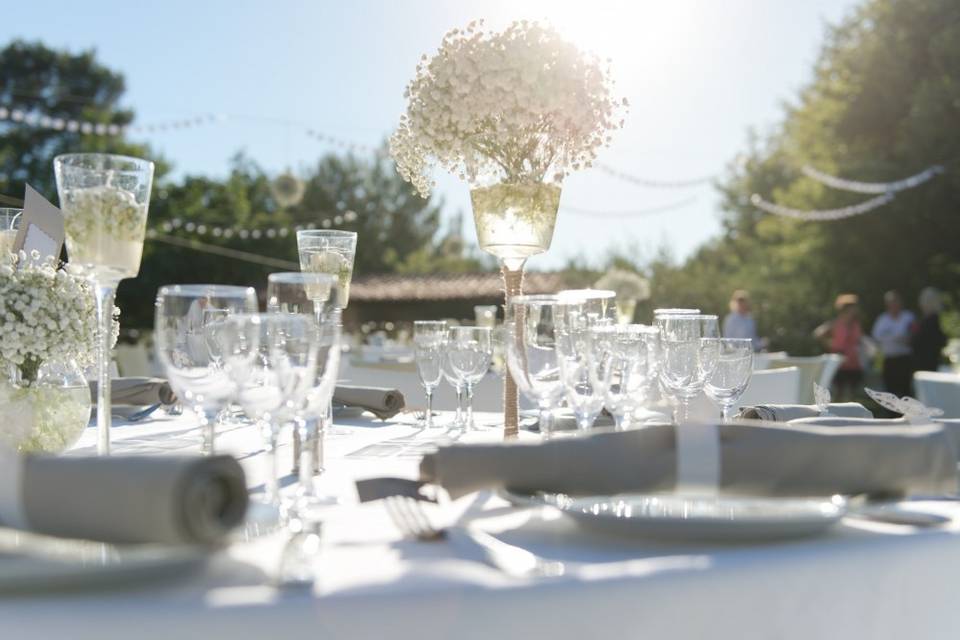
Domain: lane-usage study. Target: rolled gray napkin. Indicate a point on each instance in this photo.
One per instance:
(134, 499)
(787, 412)
(951, 426)
(756, 458)
(382, 402)
(140, 391)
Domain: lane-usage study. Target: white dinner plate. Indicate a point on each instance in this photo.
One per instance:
(31, 562)
(690, 518)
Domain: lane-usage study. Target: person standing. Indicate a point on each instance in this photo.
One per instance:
(893, 330)
(843, 336)
(739, 323)
(929, 340)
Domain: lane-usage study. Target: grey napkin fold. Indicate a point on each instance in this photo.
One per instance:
(139, 391)
(134, 499)
(787, 412)
(382, 402)
(756, 458)
(951, 426)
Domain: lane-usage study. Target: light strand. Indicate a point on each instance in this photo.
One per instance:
(630, 214)
(821, 214)
(256, 233)
(226, 252)
(658, 184)
(857, 186)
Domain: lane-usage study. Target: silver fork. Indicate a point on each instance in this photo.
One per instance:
(408, 515)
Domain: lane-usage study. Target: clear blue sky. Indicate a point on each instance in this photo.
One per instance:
(698, 74)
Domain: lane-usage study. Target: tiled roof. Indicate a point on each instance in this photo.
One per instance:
(460, 286)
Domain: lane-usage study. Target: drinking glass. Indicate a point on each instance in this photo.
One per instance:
(625, 368)
(532, 352)
(685, 360)
(332, 252)
(9, 224)
(470, 350)
(184, 350)
(598, 304)
(272, 387)
(656, 355)
(581, 365)
(104, 199)
(429, 337)
(313, 296)
(729, 378)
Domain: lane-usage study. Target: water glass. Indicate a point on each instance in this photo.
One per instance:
(599, 305)
(532, 352)
(731, 374)
(470, 350)
(685, 360)
(429, 339)
(332, 252)
(183, 346)
(624, 368)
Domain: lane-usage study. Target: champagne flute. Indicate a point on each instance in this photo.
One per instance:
(470, 351)
(731, 375)
(183, 347)
(429, 338)
(104, 199)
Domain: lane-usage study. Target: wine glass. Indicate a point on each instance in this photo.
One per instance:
(655, 359)
(429, 337)
(9, 223)
(729, 378)
(272, 387)
(313, 296)
(532, 352)
(625, 368)
(104, 199)
(598, 304)
(581, 365)
(470, 350)
(685, 360)
(332, 252)
(183, 348)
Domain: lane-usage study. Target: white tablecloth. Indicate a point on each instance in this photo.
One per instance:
(861, 581)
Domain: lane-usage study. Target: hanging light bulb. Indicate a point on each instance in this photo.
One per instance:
(287, 189)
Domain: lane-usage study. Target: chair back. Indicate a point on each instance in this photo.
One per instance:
(773, 386)
(940, 390)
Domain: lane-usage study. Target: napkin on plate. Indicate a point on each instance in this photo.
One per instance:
(950, 425)
(137, 391)
(787, 412)
(756, 458)
(132, 499)
(382, 402)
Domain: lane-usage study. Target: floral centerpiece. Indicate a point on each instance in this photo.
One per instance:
(48, 333)
(512, 113)
(630, 288)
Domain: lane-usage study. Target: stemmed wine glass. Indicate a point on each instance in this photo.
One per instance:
(580, 363)
(686, 360)
(332, 252)
(625, 368)
(532, 352)
(429, 338)
(273, 386)
(104, 199)
(729, 378)
(312, 296)
(185, 347)
(470, 350)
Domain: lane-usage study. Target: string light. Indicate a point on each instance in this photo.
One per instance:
(658, 184)
(856, 186)
(244, 233)
(821, 215)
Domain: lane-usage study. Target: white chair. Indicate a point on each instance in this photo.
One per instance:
(772, 386)
(831, 364)
(811, 370)
(763, 359)
(940, 390)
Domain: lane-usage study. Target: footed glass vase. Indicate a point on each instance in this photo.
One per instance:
(514, 221)
(45, 411)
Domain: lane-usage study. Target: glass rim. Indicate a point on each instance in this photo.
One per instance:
(429, 323)
(688, 316)
(536, 298)
(329, 233)
(676, 312)
(211, 290)
(574, 295)
(296, 277)
(64, 159)
(467, 328)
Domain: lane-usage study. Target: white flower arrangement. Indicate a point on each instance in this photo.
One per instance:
(46, 314)
(628, 285)
(519, 106)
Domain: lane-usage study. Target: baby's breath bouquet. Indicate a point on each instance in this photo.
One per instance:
(516, 106)
(47, 314)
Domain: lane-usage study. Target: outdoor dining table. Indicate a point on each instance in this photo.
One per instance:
(861, 580)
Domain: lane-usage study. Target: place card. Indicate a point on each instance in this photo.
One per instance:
(41, 226)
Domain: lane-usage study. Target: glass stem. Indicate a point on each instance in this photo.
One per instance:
(683, 410)
(208, 429)
(459, 417)
(104, 294)
(271, 483)
(471, 425)
(307, 428)
(428, 418)
(726, 413)
(546, 421)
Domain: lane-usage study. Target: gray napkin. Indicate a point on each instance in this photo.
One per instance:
(787, 412)
(139, 391)
(383, 403)
(757, 458)
(951, 426)
(134, 499)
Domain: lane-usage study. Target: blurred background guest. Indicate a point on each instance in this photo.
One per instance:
(843, 335)
(929, 339)
(739, 323)
(893, 330)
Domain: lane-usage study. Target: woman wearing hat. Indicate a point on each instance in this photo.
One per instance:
(842, 335)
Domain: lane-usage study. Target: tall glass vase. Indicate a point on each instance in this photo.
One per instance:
(514, 221)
